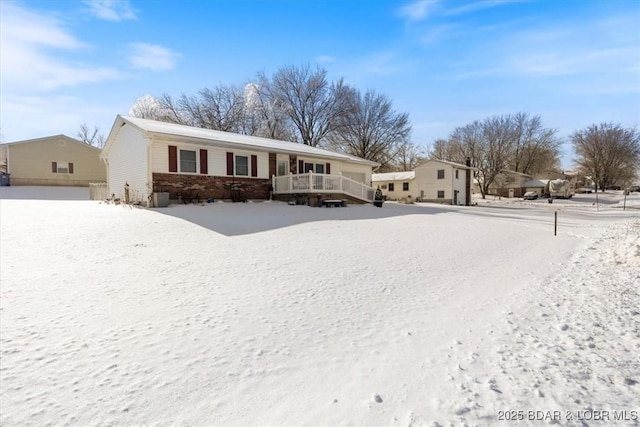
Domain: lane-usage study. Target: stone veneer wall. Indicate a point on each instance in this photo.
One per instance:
(216, 187)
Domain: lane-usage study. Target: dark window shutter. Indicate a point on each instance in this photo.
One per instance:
(300, 166)
(173, 158)
(70, 167)
(254, 165)
(229, 163)
(204, 166)
(327, 168)
(54, 167)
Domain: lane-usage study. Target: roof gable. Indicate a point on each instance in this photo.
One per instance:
(52, 138)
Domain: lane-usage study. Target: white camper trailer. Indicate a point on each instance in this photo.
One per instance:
(559, 189)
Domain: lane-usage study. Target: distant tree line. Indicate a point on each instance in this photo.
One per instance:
(300, 104)
(608, 153)
(297, 104)
(517, 142)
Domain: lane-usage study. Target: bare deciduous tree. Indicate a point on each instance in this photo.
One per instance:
(514, 142)
(535, 148)
(220, 108)
(608, 152)
(89, 136)
(147, 107)
(265, 115)
(309, 100)
(371, 129)
(408, 156)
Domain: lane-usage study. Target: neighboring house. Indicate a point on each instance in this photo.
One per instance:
(52, 160)
(514, 184)
(436, 181)
(508, 184)
(149, 156)
(396, 185)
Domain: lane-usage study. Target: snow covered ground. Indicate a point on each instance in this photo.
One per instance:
(265, 313)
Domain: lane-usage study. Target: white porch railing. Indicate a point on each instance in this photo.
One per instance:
(321, 183)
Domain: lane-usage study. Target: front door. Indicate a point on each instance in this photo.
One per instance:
(455, 197)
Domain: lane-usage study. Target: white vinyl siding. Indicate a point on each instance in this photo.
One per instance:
(128, 165)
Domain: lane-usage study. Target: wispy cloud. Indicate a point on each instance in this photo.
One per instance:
(324, 59)
(418, 10)
(422, 9)
(37, 53)
(111, 10)
(153, 57)
(479, 5)
(592, 56)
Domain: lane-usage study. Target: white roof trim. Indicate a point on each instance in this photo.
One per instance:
(393, 176)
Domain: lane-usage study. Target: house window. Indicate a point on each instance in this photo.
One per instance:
(242, 165)
(282, 167)
(457, 170)
(311, 167)
(440, 173)
(61, 167)
(405, 186)
(383, 186)
(187, 161)
(440, 194)
(391, 186)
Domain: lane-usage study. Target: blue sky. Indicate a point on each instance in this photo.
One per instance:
(445, 62)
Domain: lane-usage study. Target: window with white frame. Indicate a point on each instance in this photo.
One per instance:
(440, 194)
(242, 165)
(187, 161)
(440, 173)
(405, 186)
(391, 186)
(457, 170)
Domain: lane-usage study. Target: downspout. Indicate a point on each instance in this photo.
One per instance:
(467, 192)
(453, 190)
(106, 164)
(149, 173)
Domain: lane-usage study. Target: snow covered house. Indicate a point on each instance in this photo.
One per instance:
(149, 156)
(52, 160)
(396, 185)
(509, 183)
(437, 181)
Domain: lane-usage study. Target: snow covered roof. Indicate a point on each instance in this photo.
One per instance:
(446, 162)
(220, 138)
(393, 176)
(535, 183)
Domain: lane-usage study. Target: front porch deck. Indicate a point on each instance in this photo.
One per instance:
(319, 183)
